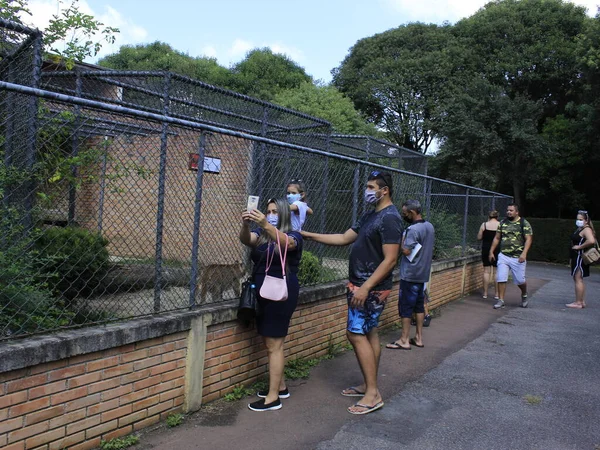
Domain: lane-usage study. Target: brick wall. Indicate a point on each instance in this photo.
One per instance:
(75, 402)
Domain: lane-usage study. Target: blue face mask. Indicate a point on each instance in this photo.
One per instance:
(291, 198)
(371, 196)
(273, 219)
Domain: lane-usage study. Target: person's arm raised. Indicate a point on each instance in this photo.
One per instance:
(331, 239)
(246, 236)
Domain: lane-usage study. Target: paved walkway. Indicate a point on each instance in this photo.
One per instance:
(510, 379)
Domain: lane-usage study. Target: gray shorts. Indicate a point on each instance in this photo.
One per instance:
(506, 264)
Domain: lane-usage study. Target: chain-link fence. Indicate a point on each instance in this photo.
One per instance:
(121, 192)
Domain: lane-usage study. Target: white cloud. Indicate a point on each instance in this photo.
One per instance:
(130, 33)
(437, 11)
(239, 48)
(209, 51)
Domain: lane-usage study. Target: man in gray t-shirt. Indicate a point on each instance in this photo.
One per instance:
(415, 267)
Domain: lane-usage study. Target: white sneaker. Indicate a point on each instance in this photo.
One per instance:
(499, 304)
(524, 301)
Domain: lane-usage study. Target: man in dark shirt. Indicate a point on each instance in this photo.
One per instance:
(376, 241)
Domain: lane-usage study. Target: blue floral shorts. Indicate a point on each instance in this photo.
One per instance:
(362, 320)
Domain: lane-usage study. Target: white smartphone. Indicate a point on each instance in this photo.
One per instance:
(252, 202)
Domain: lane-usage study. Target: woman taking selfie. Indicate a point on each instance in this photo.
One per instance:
(583, 238)
(273, 317)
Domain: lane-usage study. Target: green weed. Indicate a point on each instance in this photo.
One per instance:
(174, 420)
(299, 368)
(238, 393)
(119, 443)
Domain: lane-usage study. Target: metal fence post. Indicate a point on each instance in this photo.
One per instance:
(158, 281)
(429, 184)
(33, 127)
(197, 211)
(102, 184)
(465, 222)
(355, 194)
(262, 155)
(74, 149)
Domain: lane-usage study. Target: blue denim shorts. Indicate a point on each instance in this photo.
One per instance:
(411, 299)
(363, 320)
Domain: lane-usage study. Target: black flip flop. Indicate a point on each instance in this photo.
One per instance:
(413, 342)
(396, 346)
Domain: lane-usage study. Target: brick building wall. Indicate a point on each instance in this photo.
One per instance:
(131, 197)
(79, 400)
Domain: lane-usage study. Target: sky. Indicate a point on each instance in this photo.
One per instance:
(316, 34)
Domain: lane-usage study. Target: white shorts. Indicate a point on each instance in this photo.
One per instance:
(506, 263)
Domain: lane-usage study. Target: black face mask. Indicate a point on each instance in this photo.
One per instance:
(512, 219)
(407, 219)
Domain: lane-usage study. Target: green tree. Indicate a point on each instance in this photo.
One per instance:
(71, 35)
(398, 80)
(510, 123)
(528, 47)
(490, 139)
(326, 102)
(264, 74)
(161, 56)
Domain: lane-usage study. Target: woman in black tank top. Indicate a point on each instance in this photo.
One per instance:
(583, 238)
(486, 235)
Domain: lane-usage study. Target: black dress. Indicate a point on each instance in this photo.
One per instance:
(576, 255)
(486, 245)
(273, 318)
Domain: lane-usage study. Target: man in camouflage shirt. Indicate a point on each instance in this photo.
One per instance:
(514, 236)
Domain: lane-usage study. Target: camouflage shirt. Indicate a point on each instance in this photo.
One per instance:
(513, 241)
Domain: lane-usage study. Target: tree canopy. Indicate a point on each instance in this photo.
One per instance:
(398, 80)
(161, 56)
(328, 103)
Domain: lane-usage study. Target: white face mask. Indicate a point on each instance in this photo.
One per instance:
(273, 219)
(371, 196)
(579, 223)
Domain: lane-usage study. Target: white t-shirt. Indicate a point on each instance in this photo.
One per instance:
(299, 217)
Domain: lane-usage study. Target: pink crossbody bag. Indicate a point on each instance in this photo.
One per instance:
(274, 288)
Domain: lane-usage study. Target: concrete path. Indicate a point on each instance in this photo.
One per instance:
(510, 379)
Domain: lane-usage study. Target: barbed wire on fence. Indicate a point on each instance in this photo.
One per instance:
(121, 192)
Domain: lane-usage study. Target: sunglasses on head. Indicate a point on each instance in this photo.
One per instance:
(376, 174)
(581, 211)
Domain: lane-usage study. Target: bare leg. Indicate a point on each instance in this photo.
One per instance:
(486, 280)
(276, 367)
(368, 361)
(495, 283)
(501, 290)
(373, 338)
(419, 333)
(523, 288)
(579, 289)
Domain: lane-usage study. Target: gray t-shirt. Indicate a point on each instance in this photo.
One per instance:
(418, 270)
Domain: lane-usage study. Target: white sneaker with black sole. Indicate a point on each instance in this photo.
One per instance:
(260, 405)
(499, 304)
(282, 394)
